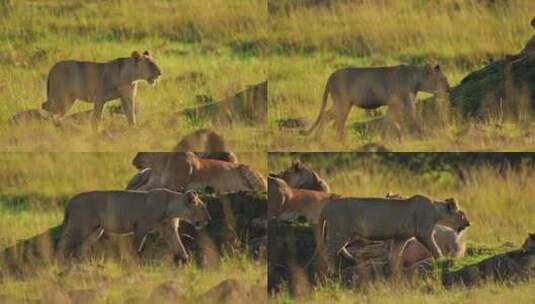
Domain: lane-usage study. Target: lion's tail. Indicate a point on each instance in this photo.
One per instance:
(322, 109)
(254, 179)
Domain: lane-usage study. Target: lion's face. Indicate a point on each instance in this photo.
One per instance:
(434, 81)
(144, 160)
(145, 67)
(529, 243)
(452, 216)
(197, 213)
(297, 175)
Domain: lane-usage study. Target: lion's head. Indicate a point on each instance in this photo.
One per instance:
(433, 80)
(144, 67)
(196, 212)
(154, 160)
(300, 176)
(451, 216)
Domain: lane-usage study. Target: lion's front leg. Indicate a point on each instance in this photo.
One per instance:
(171, 233)
(128, 103)
(396, 256)
(429, 242)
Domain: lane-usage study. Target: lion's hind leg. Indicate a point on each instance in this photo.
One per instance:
(88, 240)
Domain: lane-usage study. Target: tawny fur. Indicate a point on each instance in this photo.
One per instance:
(383, 219)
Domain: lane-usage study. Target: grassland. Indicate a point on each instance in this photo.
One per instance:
(498, 203)
(202, 47)
(34, 187)
(311, 40)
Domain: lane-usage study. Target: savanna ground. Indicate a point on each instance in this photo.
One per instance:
(34, 187)
(203, 48)
(496, 198)
(311, 39)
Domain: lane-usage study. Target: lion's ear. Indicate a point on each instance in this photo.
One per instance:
(135, 55)
(437, 68)
(451, 203)
(531, 235)
(146, 53)
(297, 164)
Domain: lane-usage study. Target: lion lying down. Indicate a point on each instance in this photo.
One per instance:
(88, 215)
(382, 219)
(185, 170)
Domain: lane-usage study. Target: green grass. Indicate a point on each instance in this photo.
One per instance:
(497, 203)
(309, 42)
(201, 48)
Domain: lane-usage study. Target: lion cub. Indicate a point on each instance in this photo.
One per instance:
(382, 219)
(88, 215)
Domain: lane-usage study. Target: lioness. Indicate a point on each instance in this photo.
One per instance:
(98, 83)
(206, 144)
(88, 215)
(370, 88)
(185, 170)
(285, 202)
(301, 176)
(151, 165)
(382, 219)
(529, 243)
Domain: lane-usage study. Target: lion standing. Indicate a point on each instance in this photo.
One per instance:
(98, 83)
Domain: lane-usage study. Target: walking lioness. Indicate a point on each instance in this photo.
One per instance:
(98, 83)
(383, 219)
(88, 215)
(370, 88)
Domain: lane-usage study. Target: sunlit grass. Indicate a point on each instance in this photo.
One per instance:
(498, 203)
(310, 42)
(203, 48)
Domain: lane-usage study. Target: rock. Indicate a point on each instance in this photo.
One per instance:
(516, 265)
(53, 293)
(165, 293)
(293, 123)
(83, 296)
(233, 291)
